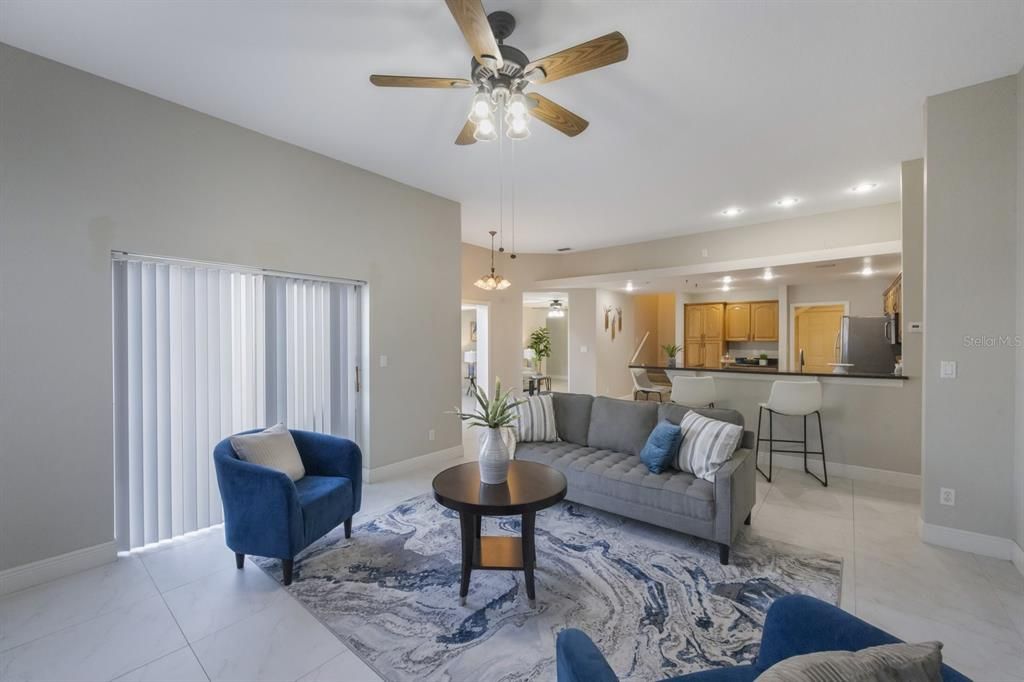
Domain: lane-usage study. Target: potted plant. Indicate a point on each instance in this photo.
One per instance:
(493, 414)
(762, 359)
(540, 344)
(671, 351)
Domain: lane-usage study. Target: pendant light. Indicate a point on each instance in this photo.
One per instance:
(492, 281)
(556, 309)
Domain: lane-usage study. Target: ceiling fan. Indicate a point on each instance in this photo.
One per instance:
(502, 73)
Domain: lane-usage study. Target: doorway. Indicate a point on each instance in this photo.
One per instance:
(816, 333)
(473, 351)
(545, 341)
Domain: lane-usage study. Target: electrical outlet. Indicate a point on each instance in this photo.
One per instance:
(947, 496)
(947, 369)
(430, 434)
(584, 349)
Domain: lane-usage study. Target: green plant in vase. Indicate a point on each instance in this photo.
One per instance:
(671, 350)
(493, 414)
(540, 343)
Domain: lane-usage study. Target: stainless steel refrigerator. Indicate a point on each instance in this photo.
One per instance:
(864, 345)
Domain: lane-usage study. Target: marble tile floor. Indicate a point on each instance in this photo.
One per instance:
(181, 611)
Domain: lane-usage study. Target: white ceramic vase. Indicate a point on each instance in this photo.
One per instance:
(493, 458)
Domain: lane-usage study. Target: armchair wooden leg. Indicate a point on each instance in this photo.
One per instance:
(286, 567)
(239, 560)
(348, 527)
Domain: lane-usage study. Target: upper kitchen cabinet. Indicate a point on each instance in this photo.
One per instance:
(764, 321)
(737, 321)
(893, 296)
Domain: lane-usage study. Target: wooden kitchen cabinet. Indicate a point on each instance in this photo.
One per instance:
(737, 321)
(892, 298)
(703, 334)
(764, 321)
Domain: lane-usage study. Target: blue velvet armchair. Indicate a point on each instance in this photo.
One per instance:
(795, 625)
(266, 514)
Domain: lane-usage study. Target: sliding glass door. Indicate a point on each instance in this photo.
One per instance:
(202, 352)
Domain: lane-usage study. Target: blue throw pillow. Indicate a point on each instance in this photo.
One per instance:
(662, 446)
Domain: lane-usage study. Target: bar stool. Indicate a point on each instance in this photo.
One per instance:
(643, 384)
(791, 399)
(693, 391)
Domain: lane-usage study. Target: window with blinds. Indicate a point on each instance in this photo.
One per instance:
(202, 352)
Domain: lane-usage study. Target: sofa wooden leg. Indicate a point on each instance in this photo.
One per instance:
(239, 560)
(286, 568)
(723, 554)
(746, 521)
(348, 527)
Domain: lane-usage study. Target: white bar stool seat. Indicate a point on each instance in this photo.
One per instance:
(693, 391)
(792, 399)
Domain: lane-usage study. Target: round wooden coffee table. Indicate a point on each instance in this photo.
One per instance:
(530, 488)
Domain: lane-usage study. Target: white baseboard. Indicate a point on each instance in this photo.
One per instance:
(45, 570)
(969, 541)
(1018, 558)
(378, 474)
(840, 470)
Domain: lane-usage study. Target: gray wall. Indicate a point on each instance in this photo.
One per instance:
(912, 229)
(89, 166)
(1019, 412)
(970, 266)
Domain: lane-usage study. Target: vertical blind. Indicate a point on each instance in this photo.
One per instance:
(203, 352)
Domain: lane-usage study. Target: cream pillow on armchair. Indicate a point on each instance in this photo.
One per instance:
(273, 448)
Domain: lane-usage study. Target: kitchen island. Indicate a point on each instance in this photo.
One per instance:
(871, 421)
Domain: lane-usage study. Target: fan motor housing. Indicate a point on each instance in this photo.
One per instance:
(515, 61)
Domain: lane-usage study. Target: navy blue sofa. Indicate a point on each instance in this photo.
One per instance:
(266, 514)
(795, 625)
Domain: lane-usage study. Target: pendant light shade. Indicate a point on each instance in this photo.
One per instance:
(492, 281)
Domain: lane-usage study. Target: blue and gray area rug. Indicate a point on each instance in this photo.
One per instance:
(657, 603)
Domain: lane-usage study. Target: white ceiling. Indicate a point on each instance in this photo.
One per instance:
(719, 103)
(883, 266)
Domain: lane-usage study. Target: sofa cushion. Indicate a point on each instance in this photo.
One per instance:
(324, 500)
(535, 420)
(884, 663)
(273, 448)
(625, 477)
(621, 425)
(662, 446)
(707, 445)
(675, 413)
(572, 416)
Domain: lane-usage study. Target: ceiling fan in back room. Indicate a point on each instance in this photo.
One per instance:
(502, 73)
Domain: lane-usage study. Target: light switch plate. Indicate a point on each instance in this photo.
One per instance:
(584, 349)
(947, 369)
(383, 361)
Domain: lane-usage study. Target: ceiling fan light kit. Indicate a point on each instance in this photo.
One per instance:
(502, 73)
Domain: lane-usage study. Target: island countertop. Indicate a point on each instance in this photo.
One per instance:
(758, 369)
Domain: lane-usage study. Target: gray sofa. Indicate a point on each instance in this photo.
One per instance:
(599, 454)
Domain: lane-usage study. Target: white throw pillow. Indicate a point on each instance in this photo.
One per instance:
(707, 445)
(273, 448)
(536, 422)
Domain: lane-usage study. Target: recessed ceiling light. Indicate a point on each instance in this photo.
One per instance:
(629, 285)
(768, 275)
(862, 187)
(732, 211)
(786, 202)
(867, 271)
(727, 279)
(726, 287)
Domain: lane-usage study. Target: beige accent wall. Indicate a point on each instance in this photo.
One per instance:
(970, 269)
(863, 295)
(89, 166)
(912, 306)
(1018, 494)
(645, 307)
(613, 354)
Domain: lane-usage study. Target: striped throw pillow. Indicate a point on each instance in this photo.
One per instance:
(536, 420)
(707, 445)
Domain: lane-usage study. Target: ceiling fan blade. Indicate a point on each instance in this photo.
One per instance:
(466, 136)
(418, 82)
(556, 116)
(587, 56)
(472, 21)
